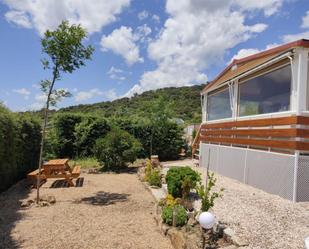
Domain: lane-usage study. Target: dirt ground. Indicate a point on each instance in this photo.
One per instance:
(107, 211)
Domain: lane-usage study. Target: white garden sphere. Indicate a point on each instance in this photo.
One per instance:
(206, 220)
(307, 242)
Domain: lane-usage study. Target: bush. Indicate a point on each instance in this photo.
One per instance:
(166, 138)
(178, 178)
(180, 215)
(87, 132)
(208, 197)
(20, 137)
(116, 149)
(155, 178)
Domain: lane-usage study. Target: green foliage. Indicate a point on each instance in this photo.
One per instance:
(20, 136)
(180, 215)
(116, 149)
(87, 132)
(62, 135)
(64, 47)
(155, 178)
(148, 170)
(179, 178)
(186, 104)
(166, 137)
(85, 163)
(207, 195)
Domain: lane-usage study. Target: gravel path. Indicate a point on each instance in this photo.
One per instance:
(108, 211)
(264, 220)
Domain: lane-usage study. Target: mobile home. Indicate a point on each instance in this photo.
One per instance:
(255, 121)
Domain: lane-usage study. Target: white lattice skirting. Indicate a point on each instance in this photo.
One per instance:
(281, 174)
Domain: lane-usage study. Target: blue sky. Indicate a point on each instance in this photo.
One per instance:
(139, 45)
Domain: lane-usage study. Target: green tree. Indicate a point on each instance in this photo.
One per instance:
(66, 53)
(116, 149)
(87, 132)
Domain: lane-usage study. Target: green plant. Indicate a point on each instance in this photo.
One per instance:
(85, 163)
(148, 170)
(207, 195)
(180, 180)
(155, 178)
(116, 149)
(180, 215)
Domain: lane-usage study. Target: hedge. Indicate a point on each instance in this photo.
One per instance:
(20, 136)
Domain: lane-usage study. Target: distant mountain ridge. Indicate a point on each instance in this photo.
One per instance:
(186, 101)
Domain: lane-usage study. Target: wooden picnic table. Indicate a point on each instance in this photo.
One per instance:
(56, 168)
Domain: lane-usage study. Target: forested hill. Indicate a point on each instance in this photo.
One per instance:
(185, 104)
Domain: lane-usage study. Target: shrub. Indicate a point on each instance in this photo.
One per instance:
(180, 215)
(116, 149)
(208, 197)
(179, 178)
(155, 178)
(20, 136)
(87, 132)
(148, 170)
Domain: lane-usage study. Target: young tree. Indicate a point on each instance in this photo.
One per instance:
(66, 54)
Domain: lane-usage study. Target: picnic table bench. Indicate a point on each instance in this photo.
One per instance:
(56, 168)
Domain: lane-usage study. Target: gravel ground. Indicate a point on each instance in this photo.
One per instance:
(264, 220)
(108, 211)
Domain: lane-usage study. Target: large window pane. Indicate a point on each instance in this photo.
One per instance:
(218, 105)
(266, 94)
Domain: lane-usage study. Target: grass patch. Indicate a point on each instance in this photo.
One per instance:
(85, 163)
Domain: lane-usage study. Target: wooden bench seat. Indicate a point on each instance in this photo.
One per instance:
(33, 177)
(76, 172)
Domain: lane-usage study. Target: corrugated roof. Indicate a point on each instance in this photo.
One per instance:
(252, 61)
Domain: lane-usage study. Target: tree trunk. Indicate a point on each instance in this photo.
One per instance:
(44, 133)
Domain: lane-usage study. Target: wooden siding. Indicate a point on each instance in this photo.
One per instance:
(267, 133)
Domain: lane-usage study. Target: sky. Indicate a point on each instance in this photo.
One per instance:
(139, 45)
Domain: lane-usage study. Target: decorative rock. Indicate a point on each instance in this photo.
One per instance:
(239, 241)
(43, 204)
(230, 247)
(26, 203)
(228, 233)
(51, 199)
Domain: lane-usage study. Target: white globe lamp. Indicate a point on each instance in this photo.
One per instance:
(307, 243)
(206, 220)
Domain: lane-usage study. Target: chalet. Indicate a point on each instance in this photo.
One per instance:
(255, 121)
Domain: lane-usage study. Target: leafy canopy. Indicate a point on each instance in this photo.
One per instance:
(66, 53)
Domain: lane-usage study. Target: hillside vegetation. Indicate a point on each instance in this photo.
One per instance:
(184, 102)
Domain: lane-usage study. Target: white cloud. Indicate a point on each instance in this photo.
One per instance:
(36, 86)
(156, 18)
(302, 35)
(136, 89)
(244, 53)
(305, 23)
(86, 95)
(41, 97)
(294, 37)
(24, 92)
(116, 73)
(18, 17)
(122, 42)
(36, 106)
(47, 14)
(143, 15)
(110, 94)
(197, 34)
(269, 7)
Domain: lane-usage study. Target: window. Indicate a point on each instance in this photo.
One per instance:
(218, 104)
(266, 93)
